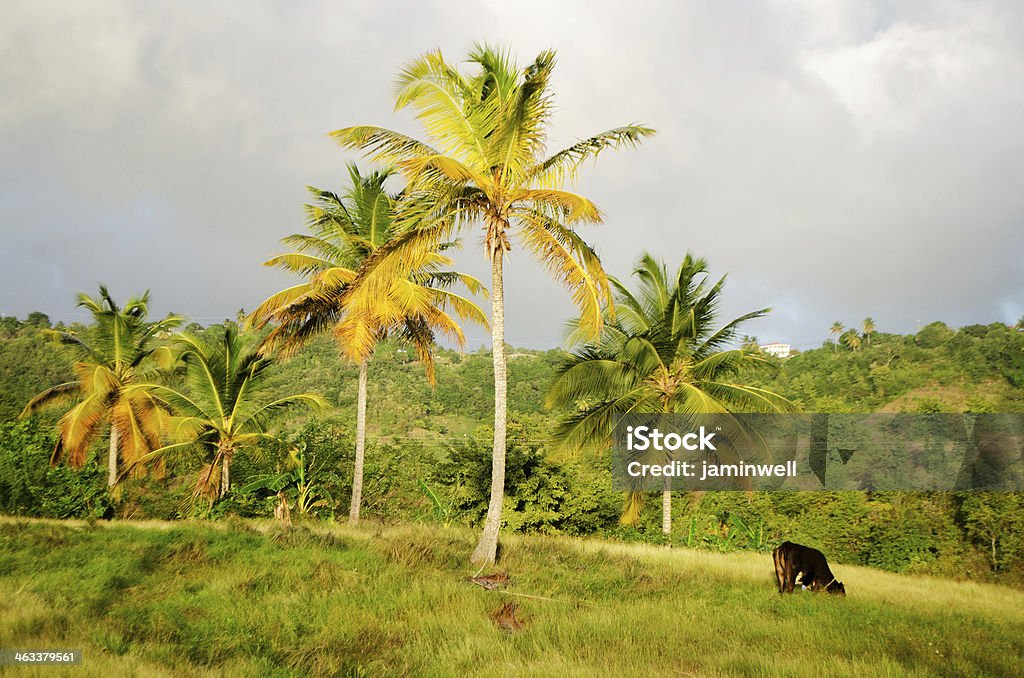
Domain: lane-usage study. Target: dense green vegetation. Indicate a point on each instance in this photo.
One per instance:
(29, 362)
(428, 456)
(242, 598)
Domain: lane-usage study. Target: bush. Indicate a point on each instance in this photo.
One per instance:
(30, 486)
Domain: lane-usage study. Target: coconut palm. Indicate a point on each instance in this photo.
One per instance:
(868, 328)
(224, 408)
(484, 165)
(113, 355)
(836, 330)
(344, 230)
(661, 353)
(852, 340)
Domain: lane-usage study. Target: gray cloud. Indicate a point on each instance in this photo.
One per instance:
(839, 159)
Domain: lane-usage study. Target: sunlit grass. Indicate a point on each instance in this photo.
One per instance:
(252, 599)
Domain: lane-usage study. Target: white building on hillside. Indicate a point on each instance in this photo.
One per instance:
(778, 350)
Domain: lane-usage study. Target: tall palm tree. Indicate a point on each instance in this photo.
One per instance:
(115, 353)
(223, 409)
(836, 330)
(661, 353)
(484, 164)
(344, 230)
(868, 328)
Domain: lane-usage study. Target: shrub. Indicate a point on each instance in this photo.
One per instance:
(30, 486)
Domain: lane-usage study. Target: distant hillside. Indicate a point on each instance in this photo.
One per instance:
(29, 363)
(978, 368)
(399, 394)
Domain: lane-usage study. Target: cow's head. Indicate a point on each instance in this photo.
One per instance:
(836, 588)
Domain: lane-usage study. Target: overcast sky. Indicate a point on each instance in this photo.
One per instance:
(837, 159)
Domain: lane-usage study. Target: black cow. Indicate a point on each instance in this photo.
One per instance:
(793, 561)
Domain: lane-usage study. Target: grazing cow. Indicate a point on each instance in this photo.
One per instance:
(793, 561)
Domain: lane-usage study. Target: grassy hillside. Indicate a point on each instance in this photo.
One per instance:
(252, 599)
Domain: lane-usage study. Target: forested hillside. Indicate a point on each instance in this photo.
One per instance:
(978, 368)
(428, 457)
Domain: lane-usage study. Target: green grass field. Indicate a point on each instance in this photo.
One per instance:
(254, 599)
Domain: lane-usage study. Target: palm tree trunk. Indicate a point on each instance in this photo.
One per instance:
(487, 549)
(357, 474)
(225, 467)
(666, 507)
(666, 493)
(112, 456)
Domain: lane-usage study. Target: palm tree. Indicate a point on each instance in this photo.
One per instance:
(224, 408)
(344, 231)
(868, 328)
(117, 353)
(836, 330)
(750, 343)
(661, 353)
(484, 165)
(852, 340)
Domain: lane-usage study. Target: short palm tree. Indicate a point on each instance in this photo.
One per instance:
(661, 353)
(116, 353)
(345, 230)
(868, 328)
(484, 165)
(852, 340)
(224, 408)
(836, 330)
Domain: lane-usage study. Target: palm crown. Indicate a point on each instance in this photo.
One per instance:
(344, 230)
(661, 353)
(486, 165)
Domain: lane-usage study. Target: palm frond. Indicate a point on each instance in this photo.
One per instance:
(382, 145)
(565, 164)
(273, 305)
(51, 397)
(566, 206)
(78, 428)
(572, 263)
